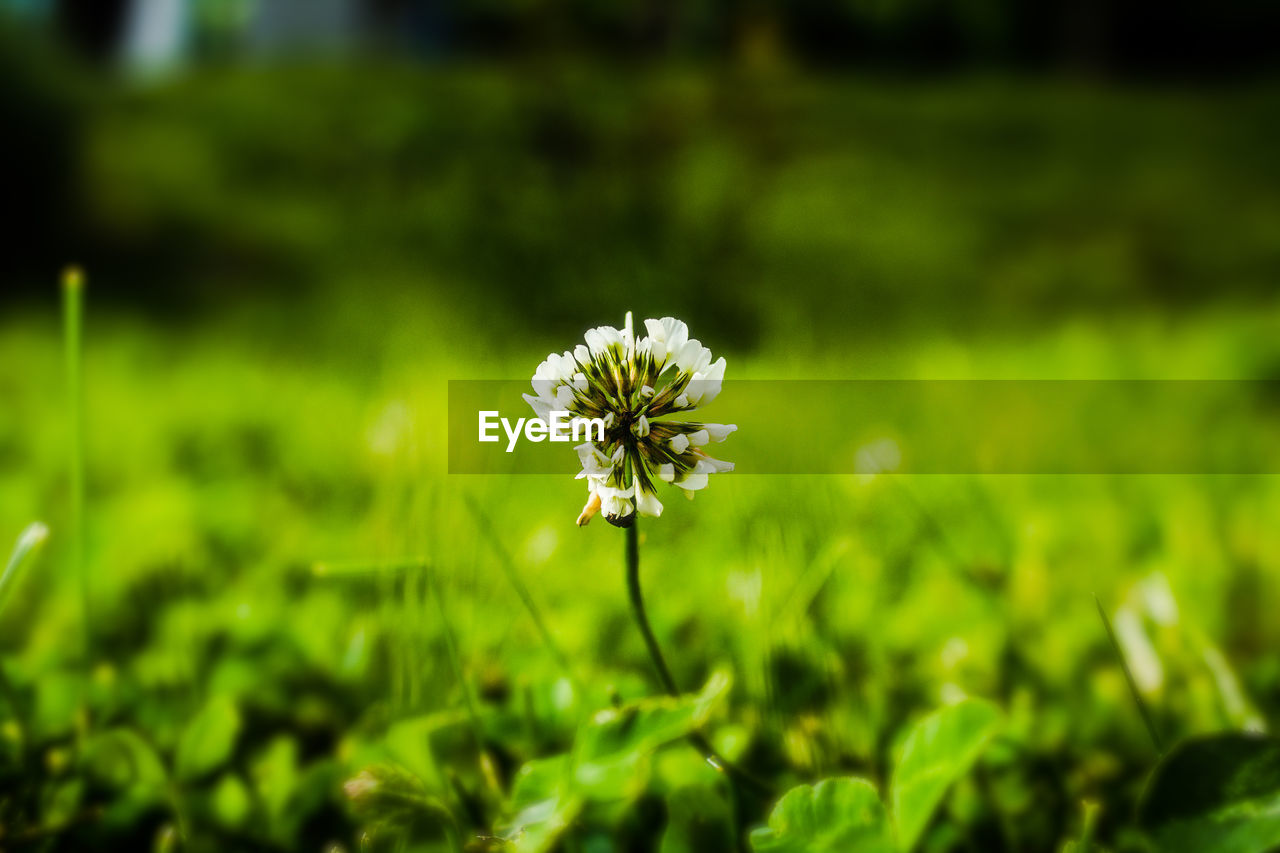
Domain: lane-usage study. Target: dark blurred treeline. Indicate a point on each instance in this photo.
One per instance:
(1132, 37)
(759, 184)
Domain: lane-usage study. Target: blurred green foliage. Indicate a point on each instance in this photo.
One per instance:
(752, 205)
(235, 686)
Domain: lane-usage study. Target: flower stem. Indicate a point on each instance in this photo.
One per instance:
(642, 618)
(699, 741)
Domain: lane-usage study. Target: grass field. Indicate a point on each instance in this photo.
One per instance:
(303, 632)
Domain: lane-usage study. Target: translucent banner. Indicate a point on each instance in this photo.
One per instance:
(920, 427)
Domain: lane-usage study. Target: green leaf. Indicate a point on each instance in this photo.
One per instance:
(208, 740)
(410, 743)
(545, 805)
(231, 801)
(63, 803)
(1219, 793)
(537, 828)
(120, 759)
(539, 780)
(123, 762)
(275, 775)
(609, 754)
(938, 750)
(614, 745)
(834, 816)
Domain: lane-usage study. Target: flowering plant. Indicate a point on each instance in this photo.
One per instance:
(631, 384)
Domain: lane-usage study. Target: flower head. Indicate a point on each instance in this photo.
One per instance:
(630, 384)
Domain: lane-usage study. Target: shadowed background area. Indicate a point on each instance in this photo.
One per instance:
(963, 164)
(300, 220)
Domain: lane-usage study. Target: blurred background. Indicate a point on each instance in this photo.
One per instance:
(299, 218)
(966, 164)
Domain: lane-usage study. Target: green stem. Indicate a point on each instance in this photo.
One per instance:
(699, 741)
(73, 339)
(641, 616)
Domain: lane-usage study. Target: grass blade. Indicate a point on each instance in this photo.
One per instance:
(28, 541)
(513, 577)
(1128, 677)
(73, 341)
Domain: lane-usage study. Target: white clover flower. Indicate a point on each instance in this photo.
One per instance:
(630, 384)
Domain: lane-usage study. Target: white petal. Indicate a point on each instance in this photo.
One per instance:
(596, 341)
(541, 407)
(595, 464)
(629, 335)
(707, 465)
(666, 472)
(693, 357)
(666, 338)
(657, 349)
(687, 356)
(680, 443)
(719, 432)
(647, 503)
(543, 386)
(699, 438)
(693, 482)
(614, 492)
(705, 385)
(677, 333)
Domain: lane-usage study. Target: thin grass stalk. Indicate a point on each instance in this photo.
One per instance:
(508, 567)
(455, 661)
(73, 342)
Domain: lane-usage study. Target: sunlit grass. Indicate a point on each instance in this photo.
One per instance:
(324, 575)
